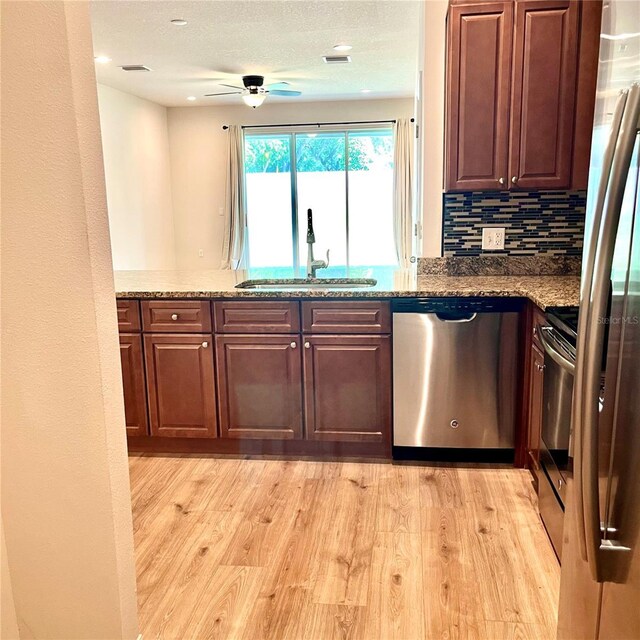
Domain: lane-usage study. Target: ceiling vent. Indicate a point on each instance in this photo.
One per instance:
(336, 59)
(135, 67)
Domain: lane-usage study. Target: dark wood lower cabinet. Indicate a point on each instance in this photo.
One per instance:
(259, 386)
(180, 385)
(210, 391)
(536, 382)
(135, 399)
(347, 384)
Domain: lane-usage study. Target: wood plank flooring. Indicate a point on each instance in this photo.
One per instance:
(253, 549)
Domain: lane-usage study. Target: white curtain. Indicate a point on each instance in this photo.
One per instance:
(403, 190)
(235, 232)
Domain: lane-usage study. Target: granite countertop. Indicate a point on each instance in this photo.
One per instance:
(545, 291)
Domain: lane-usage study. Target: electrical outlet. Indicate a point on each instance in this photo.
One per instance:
(221, 212)
(492, 238)
(200, 253)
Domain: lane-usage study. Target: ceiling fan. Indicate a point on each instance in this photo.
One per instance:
(254, 93)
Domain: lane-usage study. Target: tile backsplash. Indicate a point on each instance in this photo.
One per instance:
(535, 222)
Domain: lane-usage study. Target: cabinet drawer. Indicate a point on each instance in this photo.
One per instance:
(128, 315)
(256, 317)
(346, 317)
(176, 316)
(538, 318)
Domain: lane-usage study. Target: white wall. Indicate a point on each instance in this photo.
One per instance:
(8, 617)
(138, 179)
(159, 222)
(198, 162)
(433, 122)
(66, 506)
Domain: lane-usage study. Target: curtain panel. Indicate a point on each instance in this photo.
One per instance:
(403, 175)
(235, 233)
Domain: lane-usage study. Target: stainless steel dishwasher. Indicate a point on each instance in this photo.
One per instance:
(455, 373)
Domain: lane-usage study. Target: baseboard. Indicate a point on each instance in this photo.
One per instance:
(325, 450)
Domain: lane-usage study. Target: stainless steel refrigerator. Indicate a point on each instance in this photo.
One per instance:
(600, 579)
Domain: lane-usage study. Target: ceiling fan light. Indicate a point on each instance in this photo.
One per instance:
(254, 99)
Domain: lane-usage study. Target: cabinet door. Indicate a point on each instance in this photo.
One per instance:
(135, 399)
(259, 386)
(180, 385)
(536, 374)
(347, 384)
(543, 95)
(478, 88)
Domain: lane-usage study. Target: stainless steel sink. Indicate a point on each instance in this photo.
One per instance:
(307, 283)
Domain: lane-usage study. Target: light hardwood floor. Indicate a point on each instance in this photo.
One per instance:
(252, 549)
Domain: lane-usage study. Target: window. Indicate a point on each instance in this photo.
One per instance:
(345, 177)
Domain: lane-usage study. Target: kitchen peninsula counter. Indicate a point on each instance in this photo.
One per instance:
(544, 291)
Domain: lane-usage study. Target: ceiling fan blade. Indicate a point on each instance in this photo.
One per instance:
(226, 93)
(232, 86)
(283, 83)
(284, 92)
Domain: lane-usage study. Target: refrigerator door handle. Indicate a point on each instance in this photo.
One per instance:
(598, 549)
(585, 295)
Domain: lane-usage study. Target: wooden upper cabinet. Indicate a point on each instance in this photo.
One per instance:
(259, 386)
(521, 81)
(135, 399)
(545, 63)
(478, 88)
(180, 385)
(347, 385)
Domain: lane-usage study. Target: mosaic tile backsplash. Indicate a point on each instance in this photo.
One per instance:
(535, 222)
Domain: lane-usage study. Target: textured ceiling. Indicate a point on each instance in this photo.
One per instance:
(284, 41)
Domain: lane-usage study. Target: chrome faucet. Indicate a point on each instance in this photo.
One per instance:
(313, 265)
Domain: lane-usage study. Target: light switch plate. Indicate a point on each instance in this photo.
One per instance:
(493, 238)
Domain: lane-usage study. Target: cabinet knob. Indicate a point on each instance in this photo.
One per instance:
(500, 180)
(307, 345)
(294, 345)
(540, 367)
(205, 344)
(174, 316)
(514, 179)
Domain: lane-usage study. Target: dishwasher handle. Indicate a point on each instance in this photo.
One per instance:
(455, 317)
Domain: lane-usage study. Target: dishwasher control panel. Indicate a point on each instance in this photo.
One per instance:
(455, 305)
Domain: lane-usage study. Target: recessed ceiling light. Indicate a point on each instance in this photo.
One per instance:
(102, 59)
(342, 47)
(365, 90)
(179, 22)
(191, 98)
